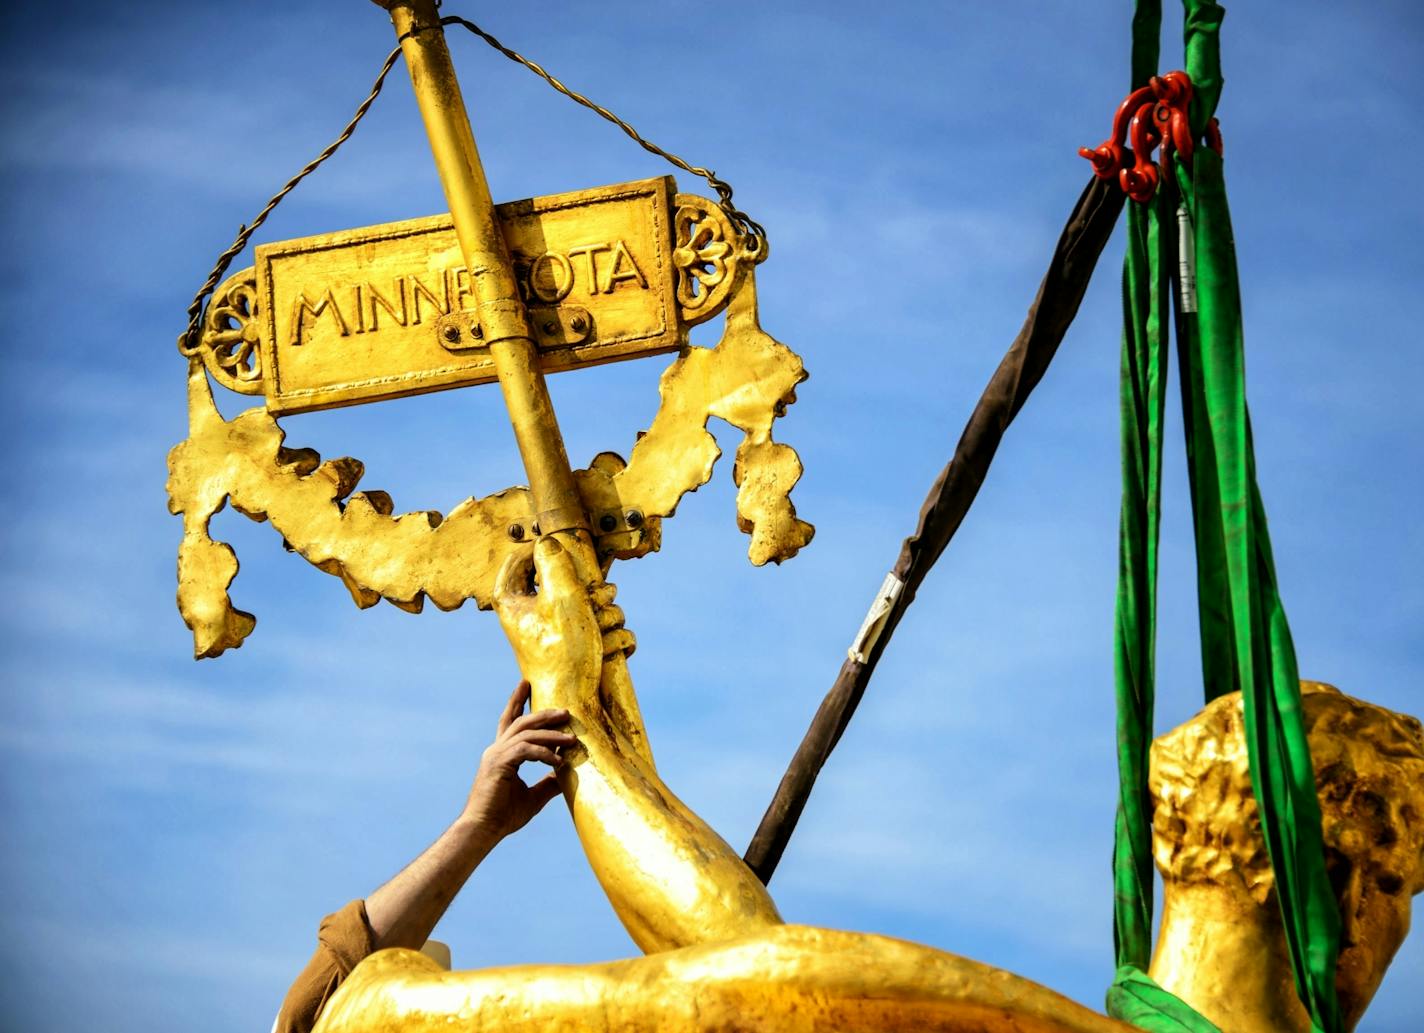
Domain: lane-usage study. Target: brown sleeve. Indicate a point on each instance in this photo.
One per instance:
(344, 938)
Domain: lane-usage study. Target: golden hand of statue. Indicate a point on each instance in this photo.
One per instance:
(552, 626)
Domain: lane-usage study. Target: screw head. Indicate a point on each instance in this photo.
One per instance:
(451, 334)
(607, 522)
(579, 324)
(634, 518)
(516, 532)
(476, 331)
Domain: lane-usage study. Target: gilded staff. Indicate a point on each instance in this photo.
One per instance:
(503, 319)
(502, 315)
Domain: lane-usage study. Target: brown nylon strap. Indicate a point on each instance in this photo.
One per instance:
(950, 497)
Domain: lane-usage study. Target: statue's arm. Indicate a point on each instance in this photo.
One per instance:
(672, 880)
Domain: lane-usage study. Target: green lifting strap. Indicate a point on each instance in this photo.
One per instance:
(1134, 997)
(1245, 639)
(1144, 382)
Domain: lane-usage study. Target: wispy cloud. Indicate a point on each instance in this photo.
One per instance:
(122, 951)
(152, 732)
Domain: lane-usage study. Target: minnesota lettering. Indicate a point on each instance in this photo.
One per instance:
(410, 299)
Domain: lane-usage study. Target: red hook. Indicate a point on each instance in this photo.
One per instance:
(1140, 181)
(1151, 115)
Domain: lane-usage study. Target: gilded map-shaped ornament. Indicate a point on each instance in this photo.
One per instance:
(316, 324)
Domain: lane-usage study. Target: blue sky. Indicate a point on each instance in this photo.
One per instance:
(175, 830)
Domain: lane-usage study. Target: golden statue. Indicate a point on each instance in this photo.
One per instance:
(1221, 947)
(720, 957)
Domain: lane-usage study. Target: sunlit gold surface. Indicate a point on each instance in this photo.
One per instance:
(358, 316)
(1222, 948)
(386, 311)
(787, 979)
(720, 957)
(723, 959)
(462, 175)
(670, 878)
(497, 301)
(747, 380)
(708, 257)
(417, 319)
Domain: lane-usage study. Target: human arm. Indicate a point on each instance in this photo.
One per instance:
(403, 911)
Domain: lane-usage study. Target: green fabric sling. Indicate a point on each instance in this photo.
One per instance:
(1245, 639)
(1144, 383)
(1134, 997)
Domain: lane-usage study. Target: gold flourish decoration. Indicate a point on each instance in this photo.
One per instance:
(708, 256)
(747, 380)
(230, 343)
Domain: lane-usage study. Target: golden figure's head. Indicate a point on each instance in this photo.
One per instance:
(1369, 773)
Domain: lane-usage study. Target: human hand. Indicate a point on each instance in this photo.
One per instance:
(501, 802)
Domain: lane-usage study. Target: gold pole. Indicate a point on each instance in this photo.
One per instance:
(503, 319)
(501, 311)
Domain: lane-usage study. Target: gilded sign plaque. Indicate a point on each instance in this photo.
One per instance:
(383, 311)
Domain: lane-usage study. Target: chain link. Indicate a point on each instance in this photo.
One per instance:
(188, 340)
(753, 230)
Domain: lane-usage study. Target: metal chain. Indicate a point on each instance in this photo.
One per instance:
(755, 233)
(188, 340)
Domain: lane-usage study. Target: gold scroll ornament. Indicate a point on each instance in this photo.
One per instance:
(345, 318)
